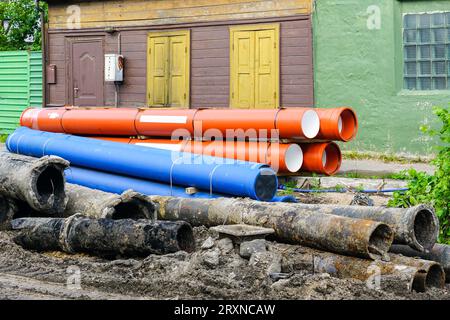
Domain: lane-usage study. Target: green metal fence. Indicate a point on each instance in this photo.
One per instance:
(20, 86)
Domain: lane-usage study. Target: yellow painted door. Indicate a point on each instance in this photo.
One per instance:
(168, 69)
(177, 72)
(266, 82)
(158, 71)
(243, 77)
(254, 67)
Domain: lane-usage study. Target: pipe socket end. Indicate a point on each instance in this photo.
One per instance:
(424, 227)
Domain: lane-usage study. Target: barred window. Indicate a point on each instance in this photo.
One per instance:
(426, 47)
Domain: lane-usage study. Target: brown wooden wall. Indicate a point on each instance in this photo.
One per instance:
(210, 63)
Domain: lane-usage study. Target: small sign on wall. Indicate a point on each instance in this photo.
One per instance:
(114, 64)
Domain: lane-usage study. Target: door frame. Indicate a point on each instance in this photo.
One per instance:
(69, 41)
(257, 27)
(171, 33)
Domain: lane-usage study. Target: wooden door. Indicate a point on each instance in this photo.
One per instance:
(168, 69)
(254, 67)
(86, 70)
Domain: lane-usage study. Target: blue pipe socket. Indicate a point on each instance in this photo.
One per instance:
(211, 174)
(118, 184)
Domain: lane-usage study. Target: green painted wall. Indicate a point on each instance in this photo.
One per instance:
(362, 67)
(20, 86)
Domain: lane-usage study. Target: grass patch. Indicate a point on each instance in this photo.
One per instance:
(3, 138)
(393, 176)
(355, 155)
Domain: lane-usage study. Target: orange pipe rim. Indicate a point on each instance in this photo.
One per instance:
(331, 158)
(347, 124)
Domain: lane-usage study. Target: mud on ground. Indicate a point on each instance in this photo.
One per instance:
(214, 272)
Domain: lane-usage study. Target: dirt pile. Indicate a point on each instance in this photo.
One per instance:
(216, 271)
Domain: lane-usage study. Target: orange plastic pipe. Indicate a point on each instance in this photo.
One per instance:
(322, 158)
(283, 158)
(299, 123)
(87, 121)
(337, 124)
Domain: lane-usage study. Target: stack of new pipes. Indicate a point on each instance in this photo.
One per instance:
(306, 134)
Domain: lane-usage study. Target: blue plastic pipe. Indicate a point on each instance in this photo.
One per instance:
(114, 183)
(118, 184)
(212, 174)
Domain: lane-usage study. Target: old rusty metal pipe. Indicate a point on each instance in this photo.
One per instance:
(8, 210)
(432, 275)
(39, 182)
(439, 253)
(104, 237)
(98, 204)
(417, 226)
(398, 275)
(363, 238)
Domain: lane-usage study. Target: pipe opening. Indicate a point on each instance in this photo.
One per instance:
(347, 125)
(24, 210)
(419, 282)
(380, 241)
(266, 184)
(134, 209)
(293, 158)
(310, 124)
(425, 228)
(185, 238)
(331, 158)
(50, 182)
(435, 277)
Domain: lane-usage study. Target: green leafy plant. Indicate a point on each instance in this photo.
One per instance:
(3, 138)
(432, 189)
(22, 30)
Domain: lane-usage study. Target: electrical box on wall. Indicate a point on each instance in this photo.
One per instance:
(114, 64)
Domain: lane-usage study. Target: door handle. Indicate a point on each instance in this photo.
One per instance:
(75, 92)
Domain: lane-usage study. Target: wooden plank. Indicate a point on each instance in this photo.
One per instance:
(210, 62)
(211, 53)
(133, 12)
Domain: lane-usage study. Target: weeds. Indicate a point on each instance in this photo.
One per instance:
(432, 189)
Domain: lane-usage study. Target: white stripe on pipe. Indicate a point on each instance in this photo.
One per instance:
(163, 119)
(340, 124)
(53, 115)
(164, 146)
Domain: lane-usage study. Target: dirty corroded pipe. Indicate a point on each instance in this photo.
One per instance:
(11, 209)
(417, 226)
(364, 238)
(98, 204)
(8, 209)
(439, 253)
(398, 275)
(432, 274)
(39, 182)
(104, 237)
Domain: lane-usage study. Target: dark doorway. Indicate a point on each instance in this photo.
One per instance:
(85, 67)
